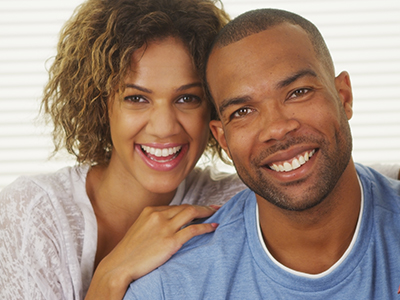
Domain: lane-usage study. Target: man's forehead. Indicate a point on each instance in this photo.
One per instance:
(266, 49)
(281, 32)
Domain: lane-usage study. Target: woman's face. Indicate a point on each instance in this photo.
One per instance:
(160, 128)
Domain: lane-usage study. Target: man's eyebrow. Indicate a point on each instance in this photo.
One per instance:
(232, 101)
(281, 84)
(294, 77)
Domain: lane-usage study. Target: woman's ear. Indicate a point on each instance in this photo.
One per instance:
(343, 88)
(219, 134)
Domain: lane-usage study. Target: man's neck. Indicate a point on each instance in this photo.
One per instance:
(312, 241)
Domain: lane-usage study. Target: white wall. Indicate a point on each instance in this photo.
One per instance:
(364, 38)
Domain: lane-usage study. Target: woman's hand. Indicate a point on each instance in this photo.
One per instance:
(155, 236)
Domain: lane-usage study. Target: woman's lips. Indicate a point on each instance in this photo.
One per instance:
(161, 154)
(162, 158)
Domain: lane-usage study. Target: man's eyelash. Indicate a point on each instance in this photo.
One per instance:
(299, 92)
(234, 115)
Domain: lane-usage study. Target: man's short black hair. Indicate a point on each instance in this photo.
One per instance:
(258, 20)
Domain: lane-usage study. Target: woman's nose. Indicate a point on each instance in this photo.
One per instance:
(163, 121)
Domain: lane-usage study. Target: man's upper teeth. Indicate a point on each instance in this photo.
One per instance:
(295, 164)
(161, 152)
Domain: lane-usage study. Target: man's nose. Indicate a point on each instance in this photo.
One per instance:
(276, 122)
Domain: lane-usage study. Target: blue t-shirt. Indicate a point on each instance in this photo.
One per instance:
(231, 263)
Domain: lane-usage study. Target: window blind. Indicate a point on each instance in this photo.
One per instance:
(363, 36)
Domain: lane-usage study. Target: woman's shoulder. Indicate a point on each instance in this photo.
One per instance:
(205, 186)
(58, 184)
(47, 228)
(52, 194)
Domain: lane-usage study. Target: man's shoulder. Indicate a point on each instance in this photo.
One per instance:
(189, 268)
(229, 217)
(384, 191)
(147, 287)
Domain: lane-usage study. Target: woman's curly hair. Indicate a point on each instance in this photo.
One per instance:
(93, 58)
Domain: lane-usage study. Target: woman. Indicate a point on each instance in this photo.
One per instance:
(126, 98)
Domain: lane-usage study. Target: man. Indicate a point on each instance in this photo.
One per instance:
(316, 226)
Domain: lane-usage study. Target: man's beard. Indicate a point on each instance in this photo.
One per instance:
(330, 168)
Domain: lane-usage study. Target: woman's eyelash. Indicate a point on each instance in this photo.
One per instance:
(189, 99)
(135, 98)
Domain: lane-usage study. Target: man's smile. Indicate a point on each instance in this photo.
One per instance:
(292, 164)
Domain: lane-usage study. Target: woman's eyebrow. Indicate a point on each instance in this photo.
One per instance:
(179, 89)
(138, 87)
(188, 86)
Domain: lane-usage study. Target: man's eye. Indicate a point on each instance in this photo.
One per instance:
(241, 112)
(135, 99)
(299, 92)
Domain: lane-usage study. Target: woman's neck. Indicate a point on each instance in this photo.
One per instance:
(117, 203)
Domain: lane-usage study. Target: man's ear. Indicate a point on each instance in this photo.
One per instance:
(343, 87)
(219, 134)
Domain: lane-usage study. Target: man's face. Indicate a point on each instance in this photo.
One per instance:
(284, 117)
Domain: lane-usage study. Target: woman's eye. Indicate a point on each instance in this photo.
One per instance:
(135, 99)
(189, 101)
(299, 92)
(241, 112)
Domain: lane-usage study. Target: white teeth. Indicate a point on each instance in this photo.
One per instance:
(287, 166)
(296, 163)
(158, 152)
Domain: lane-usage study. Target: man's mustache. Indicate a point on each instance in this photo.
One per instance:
(286, 144)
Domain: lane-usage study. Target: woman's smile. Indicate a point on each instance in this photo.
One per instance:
(159, 127)
(162, 159)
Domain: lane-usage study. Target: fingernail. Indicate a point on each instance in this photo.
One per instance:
(215, 225)
(216, 207)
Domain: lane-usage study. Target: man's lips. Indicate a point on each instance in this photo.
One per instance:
(293, 163)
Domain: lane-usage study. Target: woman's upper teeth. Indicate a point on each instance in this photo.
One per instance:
(294, 164)
(161, 152)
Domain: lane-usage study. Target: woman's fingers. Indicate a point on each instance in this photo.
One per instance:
(156, 235)
(190, 213)
(184, 223)
(191, 231)
(177, 216)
